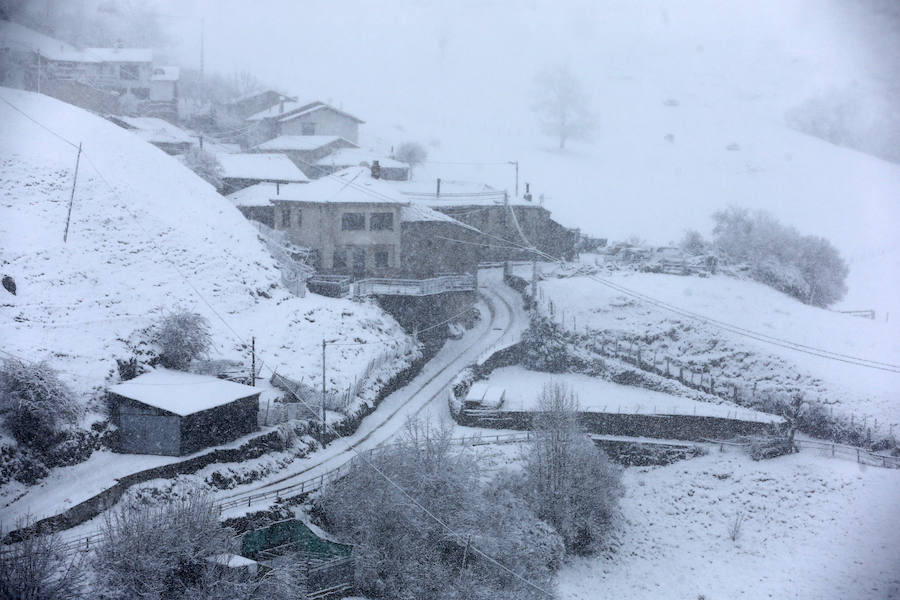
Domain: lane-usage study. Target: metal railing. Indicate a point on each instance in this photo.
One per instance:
(414, 287)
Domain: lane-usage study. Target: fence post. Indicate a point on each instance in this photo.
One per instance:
(857, 455)
(832, 449)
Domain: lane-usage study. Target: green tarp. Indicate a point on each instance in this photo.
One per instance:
(290, 532)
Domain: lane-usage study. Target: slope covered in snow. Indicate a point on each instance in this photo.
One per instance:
(731, 358)
(147, 236)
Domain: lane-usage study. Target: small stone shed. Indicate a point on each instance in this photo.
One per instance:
(174, 413)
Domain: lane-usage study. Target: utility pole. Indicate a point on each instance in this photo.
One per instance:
(72, 195)
(516, 163)
(534, 278)
(322, 433)
(253, 361)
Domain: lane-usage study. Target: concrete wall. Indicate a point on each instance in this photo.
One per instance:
(318, 226)
(150, 434)
(427, 249)
(325, 122)
(421, 312)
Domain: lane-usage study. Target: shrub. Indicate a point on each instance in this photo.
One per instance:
(38, 568)
(806, 267)
(567, 480)
(205, 165)
(35, 403)
(404, 551)
(545, 347)
(181, 338)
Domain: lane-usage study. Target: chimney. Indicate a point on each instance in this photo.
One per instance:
(528, 192)
(281, 106)
(376, 170)
(438, 193)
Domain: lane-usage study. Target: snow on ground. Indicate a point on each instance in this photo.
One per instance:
(147, 237)
(523, 390)
(813, 528)
(862, 392)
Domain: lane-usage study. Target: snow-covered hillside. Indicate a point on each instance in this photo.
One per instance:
(147, 236)
(848, 389)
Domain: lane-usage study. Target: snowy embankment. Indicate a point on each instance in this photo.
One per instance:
(523, 390)
(147, 236)
(811, 527)
(846, 389)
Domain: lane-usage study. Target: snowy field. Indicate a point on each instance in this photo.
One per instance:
(813, 528)
(523, 390)
(586, 304)
(147, 237)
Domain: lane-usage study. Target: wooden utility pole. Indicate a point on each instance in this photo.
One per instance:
(322, 434)
(253, 361)
(534, 278)
(72, 195)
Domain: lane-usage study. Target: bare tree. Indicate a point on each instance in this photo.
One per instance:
(204, 164)
(562, 105)
(412, 153)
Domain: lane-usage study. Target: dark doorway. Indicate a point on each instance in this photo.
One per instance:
(359, 262)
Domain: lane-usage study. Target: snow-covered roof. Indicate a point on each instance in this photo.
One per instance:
(120, 54)
(167, 73)
(301, 142)
(182, 393)
(418, 213)
(154, 130)
(259, 194)
(354, 185)
(459, 193)
(232, 561)
(355, 157)
(22, 39)
(265, 167)
(292, 109)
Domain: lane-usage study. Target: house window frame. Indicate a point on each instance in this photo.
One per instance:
(285, 217)
(378, 253)
(134, 72)
(349, 221)
(375, 221)
(308, 128)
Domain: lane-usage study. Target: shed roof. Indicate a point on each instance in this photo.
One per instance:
(354, 157)
(258, 194)
(301, 142)
(120, 54)
(154, 130)
(265, 167)
(182, 393)
(292, 109)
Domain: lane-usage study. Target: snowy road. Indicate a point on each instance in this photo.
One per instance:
(503, 321)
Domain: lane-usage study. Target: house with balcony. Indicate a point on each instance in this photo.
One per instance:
(313, 118)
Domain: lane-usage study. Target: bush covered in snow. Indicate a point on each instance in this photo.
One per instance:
(804, 266)
(403, 548)
(182, 337)
(205, 165)
(545, 347)
(39, 568)
(567, 480)
(36, 405)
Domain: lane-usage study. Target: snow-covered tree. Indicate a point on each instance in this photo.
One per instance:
(568, 481)
(182, 337)
(35, 403)
(412, 153)
(39, 568)
(562, 105)
(404, 552)
(204, 164)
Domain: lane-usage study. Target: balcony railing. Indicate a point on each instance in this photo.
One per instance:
(414, 287)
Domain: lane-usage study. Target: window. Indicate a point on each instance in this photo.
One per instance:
(381, 259)
(308, 129)
(142, 93)
(353, 221)
(285, 218)
(381, 222)
(340, 259)
(130, 72)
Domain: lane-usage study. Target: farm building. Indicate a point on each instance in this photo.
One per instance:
(304, 150)
(391, 170)
(314, 118)
(162, 134)
(174, 413)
